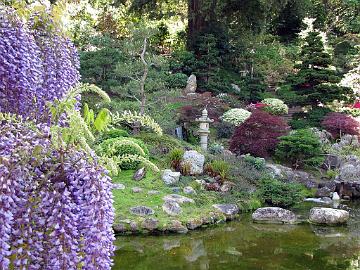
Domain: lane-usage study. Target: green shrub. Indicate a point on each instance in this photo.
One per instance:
(218, 168)
(175, 157)
(256, 162)
(122, 146)
(216, 149)
(114, 133)
(277, 193)
(313, 118)
(177, 80)
(301, 147)
(160, 145)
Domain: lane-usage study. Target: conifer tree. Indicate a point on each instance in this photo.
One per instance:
(316, 82)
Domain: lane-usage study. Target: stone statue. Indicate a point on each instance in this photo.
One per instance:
(204, 130)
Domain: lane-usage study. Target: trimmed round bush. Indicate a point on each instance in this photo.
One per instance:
(122, 146)
(275, 106)
(301, 147)
(258, 135)
(236, 116)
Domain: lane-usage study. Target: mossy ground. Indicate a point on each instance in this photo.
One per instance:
(125, 199)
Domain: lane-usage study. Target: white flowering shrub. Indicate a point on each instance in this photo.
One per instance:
(275, 106)
(236, 116)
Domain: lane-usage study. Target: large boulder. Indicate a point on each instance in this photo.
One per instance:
(350, 169)
(195, 160)
(328, 216)
(274, 215)
(191, 85)
(169, 177)
(150, 224)
(227, 209)
(176, 227)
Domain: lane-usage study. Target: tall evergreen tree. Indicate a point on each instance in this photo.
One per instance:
(316, 82)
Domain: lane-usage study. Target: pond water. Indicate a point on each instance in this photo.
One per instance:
(248, 246)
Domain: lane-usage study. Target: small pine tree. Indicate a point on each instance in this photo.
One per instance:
(316, 82)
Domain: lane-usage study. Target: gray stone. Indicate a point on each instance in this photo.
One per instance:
(195, 160)
(227, 186)
(142, 211)
(191, 85)
(177, 198)
(227, 209)
(134, 226)
(194, 223)
(332, 162)
(350, 169)
(150, 224)
(328, 216)
(289, 175)
(139, 174)
(136, 190)
(171, 208)
(169, 177)
(118, 186)
(177, 227)
(119, 228)
(153, 192)
(323, 135)
(274, 215)
(323, 192)
(176, 189)
(189, 190)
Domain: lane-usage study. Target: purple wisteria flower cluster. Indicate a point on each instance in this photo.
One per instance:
(56, 206)
(37, 64)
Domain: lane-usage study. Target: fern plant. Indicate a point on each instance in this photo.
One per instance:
(132, 119)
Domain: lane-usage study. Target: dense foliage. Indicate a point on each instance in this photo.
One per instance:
(315, 82)
(258, 135)
(277, 193)
(53, 200)
(339, 124)
(37, 65)
(236, 116)
(299, 148)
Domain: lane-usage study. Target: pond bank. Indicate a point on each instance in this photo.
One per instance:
(242, 244)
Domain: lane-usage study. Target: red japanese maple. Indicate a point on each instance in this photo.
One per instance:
(339, 124)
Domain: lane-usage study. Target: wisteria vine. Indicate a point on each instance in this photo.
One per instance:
(56, 203)
(56, 206)
(37, 64)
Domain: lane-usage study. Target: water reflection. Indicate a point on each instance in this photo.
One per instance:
(247, 246)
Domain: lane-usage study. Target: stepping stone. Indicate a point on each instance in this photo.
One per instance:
(177, 198)
(274, 215)
(142, 211)
(153, 192)
(328, 216)
(139, 174)
(118, 186)
(136, 190)
(171, 208)
(189, 190)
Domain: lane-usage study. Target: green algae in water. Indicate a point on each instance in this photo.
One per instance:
(247, 246)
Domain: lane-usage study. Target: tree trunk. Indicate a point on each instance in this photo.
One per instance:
(196, 21)
(143, 79)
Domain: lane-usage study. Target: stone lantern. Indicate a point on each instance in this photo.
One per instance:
(204, 131)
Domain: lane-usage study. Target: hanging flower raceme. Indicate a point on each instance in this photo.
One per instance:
(37, 64)
(56, 205)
